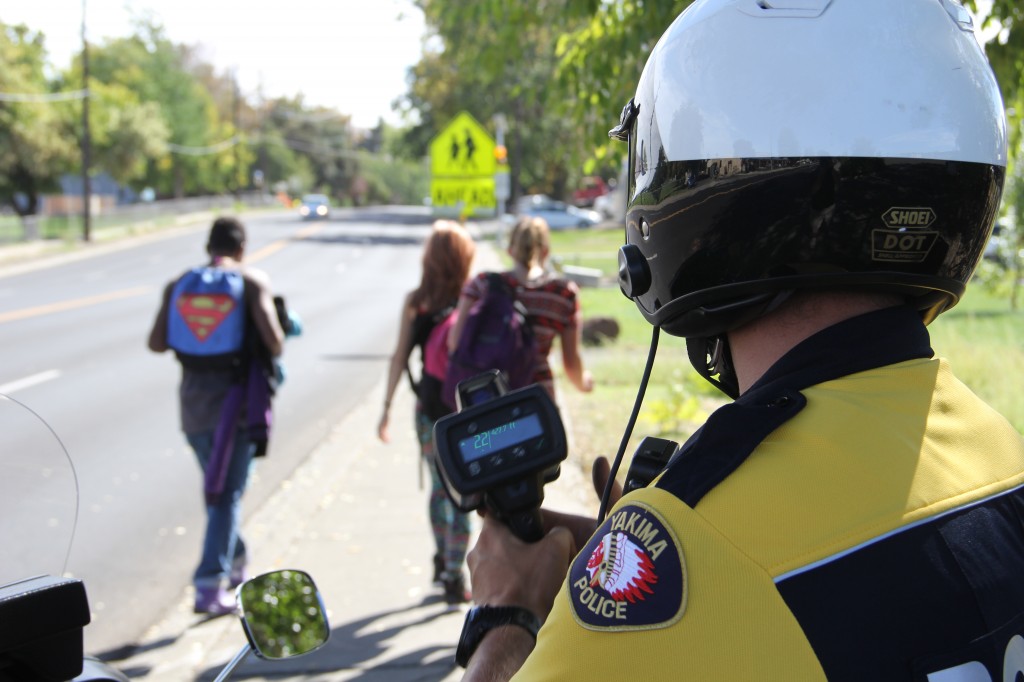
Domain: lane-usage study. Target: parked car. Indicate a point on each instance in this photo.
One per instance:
(612, 206)
(558, 214)
(314, 207)
(591, 187)
(996, 248)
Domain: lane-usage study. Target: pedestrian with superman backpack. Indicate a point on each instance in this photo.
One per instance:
(427, 314)
(227, 331)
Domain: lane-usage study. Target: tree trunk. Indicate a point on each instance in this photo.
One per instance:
(1016, 266)
(179, 182)
(30, 227)
(26, 184)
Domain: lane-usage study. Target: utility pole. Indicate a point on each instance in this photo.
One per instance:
(502, 183)
(235, 105)
(86, 139)
(260, 174)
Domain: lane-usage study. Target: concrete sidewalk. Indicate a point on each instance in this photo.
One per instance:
(354, 516)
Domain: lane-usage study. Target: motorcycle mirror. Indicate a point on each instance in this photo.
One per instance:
(283, 616)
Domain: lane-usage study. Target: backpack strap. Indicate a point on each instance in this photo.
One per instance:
(412, 382)
(503, 281)
(507, 282)
(421, 332)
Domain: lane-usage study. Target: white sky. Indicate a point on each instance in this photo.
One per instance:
(351, 55)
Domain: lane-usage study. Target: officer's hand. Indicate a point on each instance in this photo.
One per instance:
(505, 571)
(600, 474)
(581, 527)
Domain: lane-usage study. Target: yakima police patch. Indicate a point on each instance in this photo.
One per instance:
(631, 575)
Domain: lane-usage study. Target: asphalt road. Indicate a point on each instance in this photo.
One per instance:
(74, 347)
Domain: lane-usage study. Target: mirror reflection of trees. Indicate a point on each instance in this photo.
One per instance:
(283, 614)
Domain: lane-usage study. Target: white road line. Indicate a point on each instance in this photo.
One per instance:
(33, 380)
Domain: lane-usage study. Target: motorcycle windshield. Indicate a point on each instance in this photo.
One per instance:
(38, 495)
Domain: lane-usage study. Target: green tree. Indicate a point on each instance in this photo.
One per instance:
(199, 157)
(322, 136)
(32, 157)
(501, 58)
(600, 62)
(237, 116)
(284, 169)
(389, 180)
(126, 135)
(386, 171)
(1004, 24)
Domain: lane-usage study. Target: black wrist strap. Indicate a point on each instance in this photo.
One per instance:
(482, 619)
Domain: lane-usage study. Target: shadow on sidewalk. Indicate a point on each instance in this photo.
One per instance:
(122, 653)
(356, 648)
(358, 357)
(363, 239)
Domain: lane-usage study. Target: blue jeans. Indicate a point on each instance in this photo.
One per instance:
(223, 545)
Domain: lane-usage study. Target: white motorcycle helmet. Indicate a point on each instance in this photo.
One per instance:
(777, 145)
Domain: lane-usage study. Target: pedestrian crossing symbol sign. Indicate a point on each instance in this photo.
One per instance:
(463, 150)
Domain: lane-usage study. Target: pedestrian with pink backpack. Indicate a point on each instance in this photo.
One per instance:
(427, 314)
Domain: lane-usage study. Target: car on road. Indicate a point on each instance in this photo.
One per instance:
(315, 207)
(998, 249)
(591, 187)
(558, 214)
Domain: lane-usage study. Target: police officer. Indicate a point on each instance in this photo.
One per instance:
(810, 185)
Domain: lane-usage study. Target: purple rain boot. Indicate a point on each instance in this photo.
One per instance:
(239, 572)
(214, 600)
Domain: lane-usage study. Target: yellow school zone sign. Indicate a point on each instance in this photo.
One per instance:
(462, 168)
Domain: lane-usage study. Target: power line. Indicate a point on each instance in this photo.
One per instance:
(310, 117)
(44, 98)
(308, 148)
(203, 151)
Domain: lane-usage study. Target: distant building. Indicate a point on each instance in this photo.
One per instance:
(105, 194)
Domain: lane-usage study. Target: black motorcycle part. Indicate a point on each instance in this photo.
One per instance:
(41, 621)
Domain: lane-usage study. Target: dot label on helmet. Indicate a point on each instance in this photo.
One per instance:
(904, 242)
(902, 246)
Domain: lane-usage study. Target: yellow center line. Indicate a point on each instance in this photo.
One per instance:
(26, 313)
(266, 251)
(274, 247)
(308, 231)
